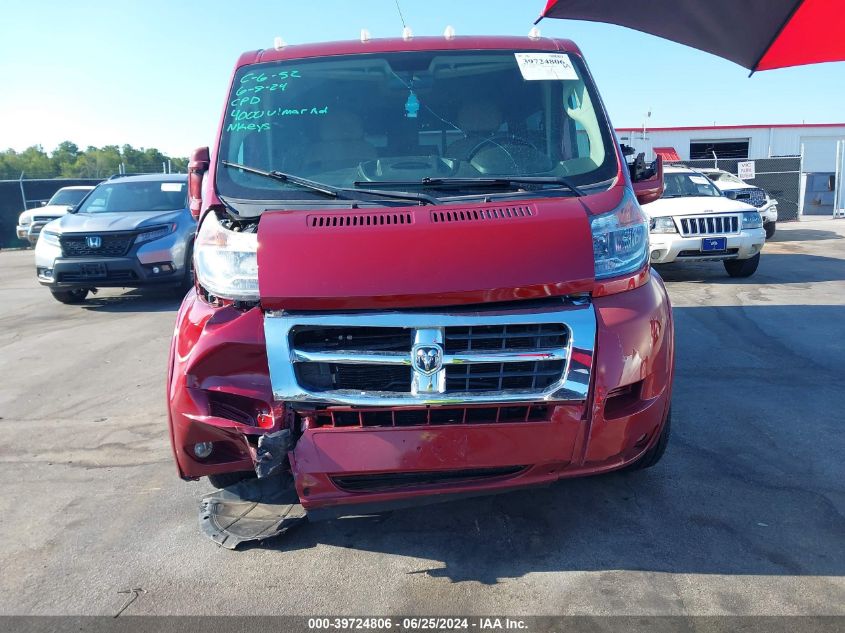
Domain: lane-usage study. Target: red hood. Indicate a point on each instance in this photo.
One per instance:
(423, 256)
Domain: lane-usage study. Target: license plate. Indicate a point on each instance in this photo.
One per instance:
(93, 271)
(714, 244)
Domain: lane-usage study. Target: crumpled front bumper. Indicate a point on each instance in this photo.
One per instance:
(219, 391)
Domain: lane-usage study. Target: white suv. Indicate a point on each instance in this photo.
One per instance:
(694, 221)
(733, 187)
(32, 221)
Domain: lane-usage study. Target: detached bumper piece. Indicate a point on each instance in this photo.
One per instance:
(251, 510)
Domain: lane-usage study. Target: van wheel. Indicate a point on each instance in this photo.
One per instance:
(742, 267)
(653, 455)
(770, 229)
(224, 480)
(75, 295)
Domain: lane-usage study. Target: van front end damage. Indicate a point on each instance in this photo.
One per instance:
(603, 407)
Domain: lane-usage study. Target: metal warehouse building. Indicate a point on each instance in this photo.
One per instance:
(821, 147)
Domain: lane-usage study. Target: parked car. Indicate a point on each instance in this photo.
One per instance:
(733, 187)
(31, 221)
(130, 231)
(694, 221)
(417, 308)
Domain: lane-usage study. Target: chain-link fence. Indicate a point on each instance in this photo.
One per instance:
(35, 187)
(18, 195)
(779, 177)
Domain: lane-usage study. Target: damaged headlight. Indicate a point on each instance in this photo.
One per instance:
(226, 262)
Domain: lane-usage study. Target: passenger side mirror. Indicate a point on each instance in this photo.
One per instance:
(197, 167)
(647, 179)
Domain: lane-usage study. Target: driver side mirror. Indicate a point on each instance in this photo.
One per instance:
(197, 167)
(647, 180)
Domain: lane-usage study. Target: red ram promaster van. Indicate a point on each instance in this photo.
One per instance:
(421, 273)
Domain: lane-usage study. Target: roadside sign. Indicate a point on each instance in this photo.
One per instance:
(745, 170)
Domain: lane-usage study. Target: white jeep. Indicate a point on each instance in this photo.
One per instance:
(694, 221)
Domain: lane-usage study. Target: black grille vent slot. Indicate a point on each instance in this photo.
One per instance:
(473, 215)
(393, 481)
(502, 376)
(331, 376)
(354, 339)
(111, 275)
(511, 414)
(110, 245)
(359, 219)
(489, 338)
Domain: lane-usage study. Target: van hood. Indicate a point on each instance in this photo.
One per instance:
(405, 257)
(694, 205)
(105, 222)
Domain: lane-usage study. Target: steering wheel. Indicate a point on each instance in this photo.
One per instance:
(501, 141)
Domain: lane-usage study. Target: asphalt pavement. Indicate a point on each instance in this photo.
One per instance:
(744, 515)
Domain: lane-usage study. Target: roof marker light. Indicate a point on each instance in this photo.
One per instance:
(365, 35)
(407, 33)
(278, 43)
(534, 33)
(449, 33)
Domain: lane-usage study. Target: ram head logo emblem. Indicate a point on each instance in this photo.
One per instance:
(427, 359)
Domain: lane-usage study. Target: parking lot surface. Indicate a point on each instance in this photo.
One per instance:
(744, 515)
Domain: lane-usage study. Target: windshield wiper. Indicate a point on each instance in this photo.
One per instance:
(330, 190)
(496, 181)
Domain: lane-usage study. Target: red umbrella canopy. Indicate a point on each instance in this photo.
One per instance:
(757, 34)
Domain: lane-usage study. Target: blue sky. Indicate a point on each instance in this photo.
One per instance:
(153, 73)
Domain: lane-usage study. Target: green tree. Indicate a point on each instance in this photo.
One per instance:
(68, 161)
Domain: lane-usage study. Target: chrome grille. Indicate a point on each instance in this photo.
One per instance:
(711, 224)
(368, 359)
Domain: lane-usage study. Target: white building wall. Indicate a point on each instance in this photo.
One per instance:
(763, 142)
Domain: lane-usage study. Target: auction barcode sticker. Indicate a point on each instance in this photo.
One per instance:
(539, 66)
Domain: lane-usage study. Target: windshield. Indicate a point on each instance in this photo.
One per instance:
(680, 185)
(149, 195)
(402, 117)
(69, 197)
(725, 177)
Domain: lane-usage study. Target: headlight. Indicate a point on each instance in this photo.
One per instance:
(49, 238)
(662, 225)
(620, 239)
(25, 219)
(155, 233)
(751, 220)
(226, 262)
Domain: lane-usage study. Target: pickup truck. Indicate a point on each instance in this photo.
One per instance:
(422, 273)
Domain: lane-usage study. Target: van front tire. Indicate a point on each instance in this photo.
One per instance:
(742, 267)
(653, 455)
(72, 296)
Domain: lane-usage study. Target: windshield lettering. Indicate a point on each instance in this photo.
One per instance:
(474, 116)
